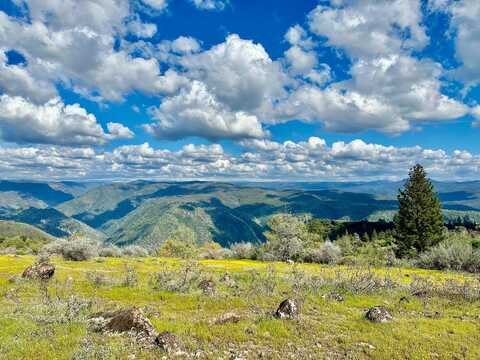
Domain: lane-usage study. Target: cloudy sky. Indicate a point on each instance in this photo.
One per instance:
(239, 89)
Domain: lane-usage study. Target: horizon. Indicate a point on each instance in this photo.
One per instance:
(130, 89)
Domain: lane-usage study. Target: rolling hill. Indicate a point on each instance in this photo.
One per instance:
(147, 212)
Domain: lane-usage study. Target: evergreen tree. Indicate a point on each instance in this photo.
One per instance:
(419, 221)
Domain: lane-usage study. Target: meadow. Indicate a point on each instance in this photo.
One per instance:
(436, 315)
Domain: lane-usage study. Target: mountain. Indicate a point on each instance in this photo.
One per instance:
(146, 213)
(9, 229)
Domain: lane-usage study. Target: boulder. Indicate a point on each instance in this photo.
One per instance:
(288, 309)
(378, 314)
(229, 317)
(42, 271)
(123, 320)
(168, 342)
(207, 286)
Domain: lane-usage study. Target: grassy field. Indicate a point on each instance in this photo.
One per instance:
(436, 314)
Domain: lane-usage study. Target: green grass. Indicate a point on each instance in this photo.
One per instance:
(441, 326)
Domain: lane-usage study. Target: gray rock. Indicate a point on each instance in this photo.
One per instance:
(288, 309)
(378, 314)
(42, 271)
(123, 320)
(168, 342)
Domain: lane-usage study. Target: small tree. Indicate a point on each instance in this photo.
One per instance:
(181, 244)
(288, 237)
(419, 221)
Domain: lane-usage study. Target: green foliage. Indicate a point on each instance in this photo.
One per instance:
(288, 238)
(419, 222)
(182, 244)
(456, 252)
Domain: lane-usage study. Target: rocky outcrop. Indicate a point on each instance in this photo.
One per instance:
(168, 342)
(378, 314)
(41, 270)
(134, 322)
(288, 309)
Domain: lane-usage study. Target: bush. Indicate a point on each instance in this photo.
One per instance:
(455, 253)
(110, 251)
(135, 251)
(243, 250)
(80, 250)
(216, 254)
(327, 253)
(74, 249)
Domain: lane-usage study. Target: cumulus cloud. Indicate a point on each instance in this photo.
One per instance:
(52, 123)
(197, 112)
(210, 4)
(82, 54)
(185, 45)
(239, 72)
(119, 131)
(367, 29)
(464, 23)
(140, 29)
(156, 4)
(17, 80)
(262, 159)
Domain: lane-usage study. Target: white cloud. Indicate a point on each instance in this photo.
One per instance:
(119, 131)
(140, 29)
(239, 73)
(185, 45)
(81, 57)
(156, 4)
(51, 123)
(367, 29)
(210, 4)
(301, 61)
(197, 112)
(464, 22)
(314, 158)
(17, 80)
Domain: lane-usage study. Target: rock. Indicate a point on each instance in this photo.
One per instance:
(378, 314)
(168, 342)
(288, 309)
(124, 320)
(42, 271)
(334, 296)
(229, 317)
(207, 286)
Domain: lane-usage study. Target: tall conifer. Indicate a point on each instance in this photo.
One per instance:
(419, 221)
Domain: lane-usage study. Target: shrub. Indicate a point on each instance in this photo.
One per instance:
(80, 250)
(287, 238)
(216, 254)
(455, 253)
(135, 251)
(243, 250)
(55, 247)
(74, 249)
(327, 253)
(110, 251)
(348, 244)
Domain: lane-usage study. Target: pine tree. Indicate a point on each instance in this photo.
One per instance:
(419, 221)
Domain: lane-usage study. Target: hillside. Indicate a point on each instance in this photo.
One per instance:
(146, 213)
(10, 229)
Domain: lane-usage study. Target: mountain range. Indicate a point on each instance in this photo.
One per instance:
(147, 212)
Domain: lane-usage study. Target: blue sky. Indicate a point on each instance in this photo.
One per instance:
(216, 89)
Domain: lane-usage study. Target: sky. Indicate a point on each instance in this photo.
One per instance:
(335, 90)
